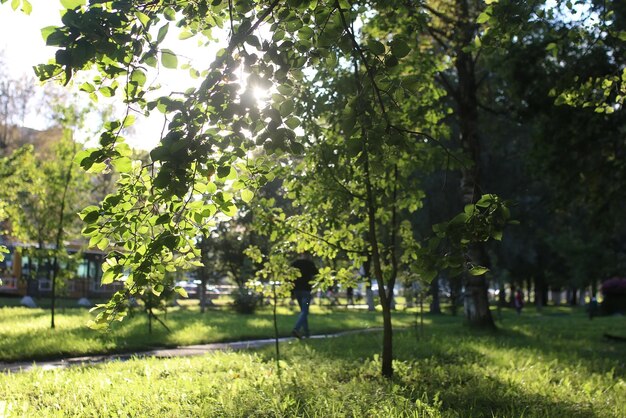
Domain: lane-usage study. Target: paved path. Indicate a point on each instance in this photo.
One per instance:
(184, 351)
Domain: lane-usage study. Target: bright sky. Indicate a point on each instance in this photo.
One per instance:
(23, 47)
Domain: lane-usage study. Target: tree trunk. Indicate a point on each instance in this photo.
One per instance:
(477, 303)
(512, 296)
(369, 293)
(60, 229)
(594, 288)
(435, 305)
(476, 291)
(54, 293)
(540, 292)
(203, 293)
(369, 296)
(476, 297)
(387, 357)
(455, 294)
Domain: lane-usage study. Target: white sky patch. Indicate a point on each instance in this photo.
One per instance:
(23, 48)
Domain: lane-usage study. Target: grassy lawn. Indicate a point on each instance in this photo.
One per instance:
(550, 365)
(26, 333)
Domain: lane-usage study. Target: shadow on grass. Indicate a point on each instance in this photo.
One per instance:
(452, 369)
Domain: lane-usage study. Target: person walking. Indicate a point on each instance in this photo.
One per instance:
(302, 292)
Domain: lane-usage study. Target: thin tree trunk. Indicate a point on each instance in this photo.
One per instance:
(387, 354)
(59, 238)
(540, 300)
(53, 296)
(421, 297)
(276, 330)
(203, 293)
(376, 255)
(573, 296)
(455, 294)
(435, 305)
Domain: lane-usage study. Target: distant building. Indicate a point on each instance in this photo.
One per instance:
(24, 275)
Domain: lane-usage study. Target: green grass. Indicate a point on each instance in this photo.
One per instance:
(550, 365)
(26, 333)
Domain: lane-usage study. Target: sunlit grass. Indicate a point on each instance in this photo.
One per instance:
(26, 333)
(535, 366)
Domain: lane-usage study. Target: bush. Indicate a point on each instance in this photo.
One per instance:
(245, 301)
(614, 292)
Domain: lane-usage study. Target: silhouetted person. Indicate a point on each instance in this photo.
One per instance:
(350, 295)
(302, 292)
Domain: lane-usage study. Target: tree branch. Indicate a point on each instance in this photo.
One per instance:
(368, 68)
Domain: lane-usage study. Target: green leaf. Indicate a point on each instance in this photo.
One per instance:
(107, 277)
(287, 107)
(229, 209)
(72, 4)
(223, 171)
(138, 76)
(169, 59)
(129, 120)
(478, 270)
(102, 244)
(399, 48)
(87, 87)
(293, 122)
(47, 31)
(90, 214)
(163, 219)
(162, 32)
(375, 47)
(253, 40)
(391, 61)
(181, 291)
(483, 17)
(185, 35)
(27, 7)
(123, 165)
(247, 195)
(91, 217)
(169, 13)
(144, 19)
(107, 91)
(278, 36)
(553, 49)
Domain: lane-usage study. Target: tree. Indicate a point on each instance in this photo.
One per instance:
(569, 178)
(15, 96)
(216, 135)
(42, 194)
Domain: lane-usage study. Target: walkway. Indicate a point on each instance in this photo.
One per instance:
(184, 351)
